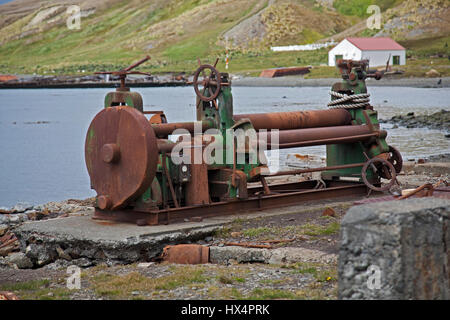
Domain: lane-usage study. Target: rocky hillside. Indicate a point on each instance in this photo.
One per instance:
(408, 20)
(34, 37)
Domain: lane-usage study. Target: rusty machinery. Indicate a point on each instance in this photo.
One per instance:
(130, 164)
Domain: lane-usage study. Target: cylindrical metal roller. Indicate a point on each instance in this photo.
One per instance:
(297, 119)
(166, 129)
(320, 136)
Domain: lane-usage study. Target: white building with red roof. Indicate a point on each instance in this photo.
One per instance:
(377, 50)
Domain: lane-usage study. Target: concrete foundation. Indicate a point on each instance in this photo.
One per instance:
(80, 237)
(85, 241)
(396, 250)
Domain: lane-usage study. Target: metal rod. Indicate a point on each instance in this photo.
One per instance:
(290, 172)
(166, 129)
(339, 140)
(166, 172)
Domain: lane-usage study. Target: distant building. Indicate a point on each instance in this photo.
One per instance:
(377, 50)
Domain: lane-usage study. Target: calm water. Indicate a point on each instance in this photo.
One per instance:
(43, 162)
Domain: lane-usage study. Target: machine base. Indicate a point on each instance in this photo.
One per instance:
(283, 195)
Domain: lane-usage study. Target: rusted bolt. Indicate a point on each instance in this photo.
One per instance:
(110, 153)
(104, 202)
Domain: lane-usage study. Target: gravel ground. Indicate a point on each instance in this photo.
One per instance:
(171, 281)
(307, 228)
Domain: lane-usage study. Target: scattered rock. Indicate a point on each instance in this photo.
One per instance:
(39, 255)
(83, 262)
(20, 260)
(3, 229)
(145, 264)
(18, 218)
(439, 120)
(5, 210)
(21, 207)
(236, 234)
(433, 73)
(62, 254)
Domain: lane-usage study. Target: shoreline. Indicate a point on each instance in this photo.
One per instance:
(237, 81)
(295, 81)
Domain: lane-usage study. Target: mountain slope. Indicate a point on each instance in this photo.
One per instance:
(34, 37)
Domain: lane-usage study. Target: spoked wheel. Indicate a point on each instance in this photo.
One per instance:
(381, 168)
(395, 158)
(211, 80)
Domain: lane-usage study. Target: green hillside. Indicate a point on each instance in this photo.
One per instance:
(175, 33)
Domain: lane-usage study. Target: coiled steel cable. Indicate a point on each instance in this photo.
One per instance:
(345, 101)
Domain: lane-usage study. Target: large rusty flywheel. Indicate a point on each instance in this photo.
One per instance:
(121, 155)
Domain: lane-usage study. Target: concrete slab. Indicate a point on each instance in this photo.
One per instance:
(81, 237)
(435, 168)
(85, 228)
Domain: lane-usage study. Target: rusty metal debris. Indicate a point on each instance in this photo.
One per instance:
(329, 212)
(248, 245)
(281, 72)
(129, 157)
(186, 254)
(8, 243)
(425, 190)
(261, 244)
(6, 295)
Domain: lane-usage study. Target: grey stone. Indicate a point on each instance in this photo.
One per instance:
(83, 262)
(62, 254)
(239, 254)
(40, 255)
(4, 219)
(3, 229)
(58, 265)
(21, 207)
(405, 242)
(18, 218)
(20, 260)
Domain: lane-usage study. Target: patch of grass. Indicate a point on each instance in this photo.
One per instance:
(271, 294)
(240, 280)
(223, 232)
(273, 282)
(318, 230)
(255, 232)
(225, 280)
(230, 280)
(321, 272)
(36, 290)
(26, 286)
(121, 286)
